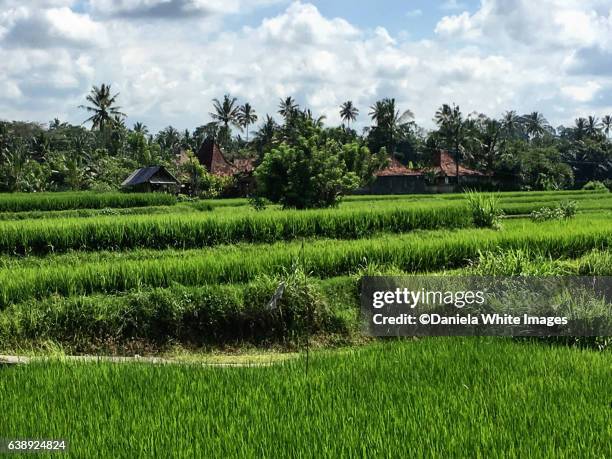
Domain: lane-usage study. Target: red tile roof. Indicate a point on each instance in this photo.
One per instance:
(444, 166)
(212, 159)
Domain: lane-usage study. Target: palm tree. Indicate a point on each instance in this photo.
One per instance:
(246, 117)
(580, 128)
(606, 123)
(535, 124)
(348, 112)
(454, 129)
(226, 112)
(140, 128)
(287, 108)
(593, 127)
(57, 124)
(510, 122)
(102, 106)
(265, 135)
(389, 121)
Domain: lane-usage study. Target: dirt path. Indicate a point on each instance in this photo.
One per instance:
(216, 361)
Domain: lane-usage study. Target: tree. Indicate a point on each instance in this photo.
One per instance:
(606, 123)
(288, 108)
(226, 112)
(246, 117)
(580, 128)
(265, 135)
(593, 128)
(511, 123)
(140, 128)
(454, 130)
(535, 125)
(389, 124)
(307, 175)
(348, 112)
(102, 106)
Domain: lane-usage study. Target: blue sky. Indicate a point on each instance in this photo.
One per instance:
(169, 58)
(414, 18)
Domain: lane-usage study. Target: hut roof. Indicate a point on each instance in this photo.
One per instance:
(211, 157)
(157, 175)
(444, 165)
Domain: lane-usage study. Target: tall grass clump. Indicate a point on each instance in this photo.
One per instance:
(27, 202)
(485, 209)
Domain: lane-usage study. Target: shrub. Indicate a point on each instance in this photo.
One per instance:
(563, 210)
(595, 185)
(307, 175)
(485, 208)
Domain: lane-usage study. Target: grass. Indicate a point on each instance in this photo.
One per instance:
(22, 202)
(187, 227)
(445, 397)
(235, 315)
(429, 251)
(182, 208)
(198, 230)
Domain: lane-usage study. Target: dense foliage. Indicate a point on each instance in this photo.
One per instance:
(523, 151)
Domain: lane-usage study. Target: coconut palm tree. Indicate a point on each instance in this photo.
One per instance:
(246, 117)
(606, 123)
(580, 128)
(593, 127)
(535, 124)
(455, 131)
(102, 105)
(140, 128)
(287, 108)
(511, 123)
(348, 112)
(265, 135)
(226, 111)
(389, 121)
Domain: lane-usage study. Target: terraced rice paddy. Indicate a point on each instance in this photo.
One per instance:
(150, 275)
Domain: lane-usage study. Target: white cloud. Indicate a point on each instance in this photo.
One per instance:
(414, 13)
(43, 28)
(173, 9)
(452, 5)
(582, 92)
(506, 55)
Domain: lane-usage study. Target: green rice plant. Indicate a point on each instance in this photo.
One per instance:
(325, 258)
(485, 209)
(215, 315)
(444, 397)
(25, 202)
(198, 230)
(519, 262)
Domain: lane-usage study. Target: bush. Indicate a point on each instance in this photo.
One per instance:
(563, 210)
(307, 175)
(595, 185)
(485, 208)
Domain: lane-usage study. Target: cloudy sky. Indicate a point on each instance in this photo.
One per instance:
(169, 58)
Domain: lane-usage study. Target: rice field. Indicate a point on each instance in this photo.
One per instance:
(86, 273)
(393, 399)
(23, 202)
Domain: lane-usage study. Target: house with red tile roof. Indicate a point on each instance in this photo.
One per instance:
(441, 177)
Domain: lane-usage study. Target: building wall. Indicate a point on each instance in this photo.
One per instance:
(417, 184)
